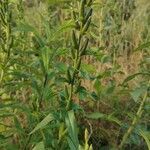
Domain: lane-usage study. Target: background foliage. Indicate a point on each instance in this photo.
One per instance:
(74, 74)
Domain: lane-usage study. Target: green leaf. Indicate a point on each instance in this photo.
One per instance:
(105, 59)
(137, 92)
(145, 45)
(67, 25)
(105, 117)
(82, 93)
(94, 96)
(133, 76)
(20, 74)
(43, 123)
(88, 68)
(95, 115)
(18, 125)
(146, 137)
(61, 67)
(45, 58)
(72, 131)
(39, 146)
(97, 86)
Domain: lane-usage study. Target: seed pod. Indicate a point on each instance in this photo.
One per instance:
(83, 49)
(74, 40)
(76, 54)
(73, 53)
(75, 19)
(89, 13)
(77, 25)
(86, 26)
(66, 91)
(82, 9)
(69, 76)
(74, 15)
(79, 64)
(9, 29)
(89, 3)
(78, 86)
(80, 38)
(10, 42)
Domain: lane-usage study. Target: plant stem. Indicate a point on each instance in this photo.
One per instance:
(83, 22)
(134, 122)
(70, 97)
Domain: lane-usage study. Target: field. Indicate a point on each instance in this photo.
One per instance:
(74, 75)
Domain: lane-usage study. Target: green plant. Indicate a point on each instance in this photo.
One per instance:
(135, 120)
(142, 90)
(71, 75)
(80, 42)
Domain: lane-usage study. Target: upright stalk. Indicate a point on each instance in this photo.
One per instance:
(135, 121)
(80, 42)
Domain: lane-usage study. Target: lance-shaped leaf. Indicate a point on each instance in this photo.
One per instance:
(43, 123)
(72, 131)
(39, 146)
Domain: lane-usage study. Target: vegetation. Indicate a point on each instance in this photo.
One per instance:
(74, 75)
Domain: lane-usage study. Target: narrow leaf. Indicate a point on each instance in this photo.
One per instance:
(146, 137)
(105, 117)
(39, 146)
(72, 131)
(43, 123)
